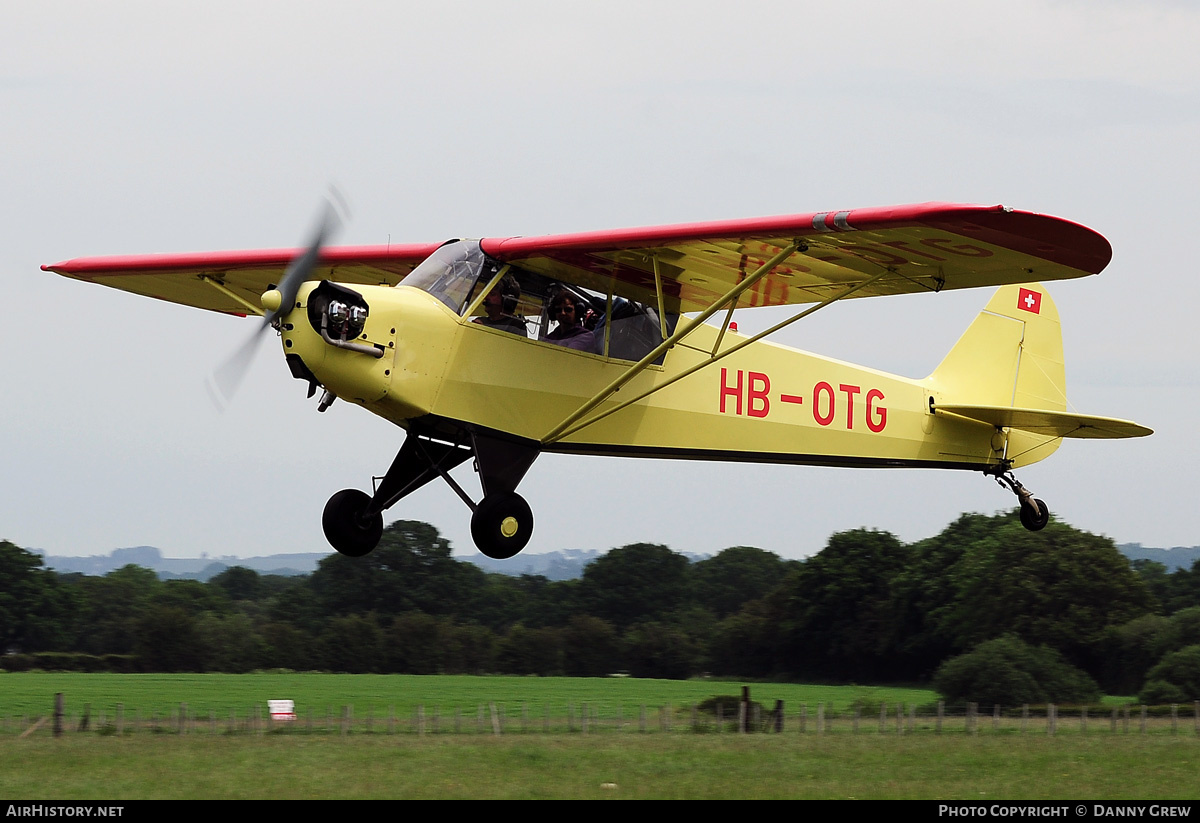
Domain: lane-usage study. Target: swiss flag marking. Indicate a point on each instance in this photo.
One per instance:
(1030, 300)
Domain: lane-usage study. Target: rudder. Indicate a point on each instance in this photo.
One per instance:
(1011, 355)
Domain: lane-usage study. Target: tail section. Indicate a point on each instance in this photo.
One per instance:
(1011, 356)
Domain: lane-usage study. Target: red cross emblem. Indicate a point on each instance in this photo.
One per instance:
(1029, 300)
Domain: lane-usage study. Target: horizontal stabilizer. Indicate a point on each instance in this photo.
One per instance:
(1048, 423)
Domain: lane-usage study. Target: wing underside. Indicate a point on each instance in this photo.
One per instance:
(922, 248)
(232, 282)
(905, 249)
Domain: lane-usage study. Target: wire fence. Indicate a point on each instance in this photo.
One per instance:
(496, 718)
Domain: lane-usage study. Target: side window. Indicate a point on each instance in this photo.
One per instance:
(532, 305)
(633, 329)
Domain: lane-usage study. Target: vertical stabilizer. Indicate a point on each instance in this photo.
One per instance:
(1011, 355)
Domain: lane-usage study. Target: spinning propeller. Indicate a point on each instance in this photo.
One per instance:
(225, 380)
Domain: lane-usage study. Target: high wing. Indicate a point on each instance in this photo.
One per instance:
(925, 247)
(232, 282)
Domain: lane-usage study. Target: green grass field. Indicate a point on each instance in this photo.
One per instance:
(600, 766)
(32, 694)
(612, 759)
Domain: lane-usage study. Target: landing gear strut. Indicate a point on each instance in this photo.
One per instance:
(501, 523)
(1034, 513)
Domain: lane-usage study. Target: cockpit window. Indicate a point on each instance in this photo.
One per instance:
(568, 315)
(529, 304)
(450, 272)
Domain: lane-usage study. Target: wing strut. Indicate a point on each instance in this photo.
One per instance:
(637, 368)
(714, 357)
(225, 290)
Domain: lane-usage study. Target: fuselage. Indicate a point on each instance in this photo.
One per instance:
(764, 403)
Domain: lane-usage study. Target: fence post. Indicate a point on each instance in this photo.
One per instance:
(1051, 718)
(941, 715)
(1174, 717)
(58, 713)
(779, 717)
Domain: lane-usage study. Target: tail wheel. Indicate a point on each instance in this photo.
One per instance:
(1035, 521)
(346, 529)
(502, 525)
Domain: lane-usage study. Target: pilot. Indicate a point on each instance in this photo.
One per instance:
(500, 306)
(570, 332)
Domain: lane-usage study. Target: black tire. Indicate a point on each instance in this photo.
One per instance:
(502, 525)
(1035, 521)
(344, 527)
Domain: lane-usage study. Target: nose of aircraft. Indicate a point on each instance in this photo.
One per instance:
(271, 300)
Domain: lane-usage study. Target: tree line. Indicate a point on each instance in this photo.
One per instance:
(984, 602)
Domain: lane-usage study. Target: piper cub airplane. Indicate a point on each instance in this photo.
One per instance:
(597, 343)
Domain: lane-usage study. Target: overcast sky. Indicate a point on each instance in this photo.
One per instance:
(166, 127)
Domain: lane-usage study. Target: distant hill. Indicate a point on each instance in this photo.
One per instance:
(1179, 557)
(559, 565)
(566, 564)
(189, 568)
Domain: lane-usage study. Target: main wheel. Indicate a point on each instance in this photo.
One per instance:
(345, 527)
(502, 525)
(1035, 521)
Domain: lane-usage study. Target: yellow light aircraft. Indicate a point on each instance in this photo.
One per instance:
(597, 343)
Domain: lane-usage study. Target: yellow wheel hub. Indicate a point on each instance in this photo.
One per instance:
(509, 526)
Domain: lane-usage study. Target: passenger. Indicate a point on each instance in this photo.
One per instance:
(500, 306)
(569, 332)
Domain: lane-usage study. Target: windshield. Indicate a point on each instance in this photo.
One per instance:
(450, 272)
(531, 305)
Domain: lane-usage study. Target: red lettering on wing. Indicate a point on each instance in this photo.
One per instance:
(962, 249)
